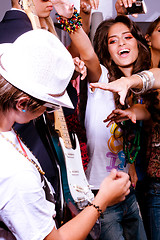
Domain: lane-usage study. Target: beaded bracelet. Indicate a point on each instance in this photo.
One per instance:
(71, 24)
(147, 79)
(97, 208)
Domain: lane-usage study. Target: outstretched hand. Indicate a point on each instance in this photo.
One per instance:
(115, 86)
(119, 115)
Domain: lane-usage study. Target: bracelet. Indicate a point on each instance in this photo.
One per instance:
(148, 79)
(97, 208)
(71, 24)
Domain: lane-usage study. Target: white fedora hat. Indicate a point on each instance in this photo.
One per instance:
(38, 64)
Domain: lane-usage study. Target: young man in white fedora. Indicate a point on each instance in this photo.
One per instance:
(27, 207)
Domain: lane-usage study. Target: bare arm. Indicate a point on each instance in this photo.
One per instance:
(133, 175)
(87, 54)
(85, 13)
(122, 85)
(112, 190)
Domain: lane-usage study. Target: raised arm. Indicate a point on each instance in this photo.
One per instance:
(87, 54)
(85, 13)
(82, 44)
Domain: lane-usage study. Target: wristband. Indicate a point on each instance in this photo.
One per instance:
(148, 79)
(71, 24)
(97, 208)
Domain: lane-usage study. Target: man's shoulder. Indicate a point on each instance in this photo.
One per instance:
(14, 14)
(14, 24)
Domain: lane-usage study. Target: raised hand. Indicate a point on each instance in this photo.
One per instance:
(80, 67)
(85, 7)
(64, 8)
(94, 4)
(121, 6)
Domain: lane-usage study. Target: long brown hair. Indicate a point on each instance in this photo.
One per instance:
(151, 29)
(101, 48)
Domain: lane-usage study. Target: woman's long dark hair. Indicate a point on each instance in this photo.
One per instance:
(151, 29)
(152, 26)
(101, 48)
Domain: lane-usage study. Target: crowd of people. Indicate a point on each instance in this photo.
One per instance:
(37, 75)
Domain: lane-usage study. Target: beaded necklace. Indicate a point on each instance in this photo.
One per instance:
(132, 147)
(22, 152)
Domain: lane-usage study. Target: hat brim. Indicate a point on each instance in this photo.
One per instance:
(36, 92)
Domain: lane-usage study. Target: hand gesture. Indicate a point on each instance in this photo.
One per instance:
(120, 86)
(121, 6)
(94, 4)
(85, 7)
(119, 115)
(80, 67)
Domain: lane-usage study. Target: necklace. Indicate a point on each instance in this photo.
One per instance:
(132, 148)
(22, 152)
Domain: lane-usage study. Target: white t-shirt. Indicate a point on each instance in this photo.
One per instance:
(105, 152)
(23, 205)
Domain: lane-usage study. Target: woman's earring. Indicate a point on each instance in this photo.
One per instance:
(23, 110)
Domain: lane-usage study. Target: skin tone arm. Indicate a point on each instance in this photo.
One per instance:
(87, 54)
(85, 13)
(122, 85)
(81, 42)
(112, 190)
(133, 175)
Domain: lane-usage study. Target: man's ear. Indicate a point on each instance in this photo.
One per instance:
(148, 39)
(21, 104)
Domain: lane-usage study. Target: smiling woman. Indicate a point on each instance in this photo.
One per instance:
(122, 50)
(122, 47)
